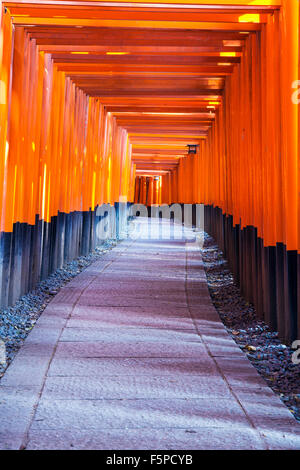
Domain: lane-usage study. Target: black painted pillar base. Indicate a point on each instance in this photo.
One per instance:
(269, 277)
(30, 253)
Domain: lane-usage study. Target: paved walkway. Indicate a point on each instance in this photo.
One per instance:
(132, 355)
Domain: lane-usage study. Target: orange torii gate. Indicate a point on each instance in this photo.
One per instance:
(98, 104)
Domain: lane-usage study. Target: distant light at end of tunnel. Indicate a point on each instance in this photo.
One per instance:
(249, 18)
(165, 114)
(6, 152)
(2, 92)
(227, 54)
(79, 52)
(117, 53)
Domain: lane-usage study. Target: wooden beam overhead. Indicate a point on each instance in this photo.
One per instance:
(159, 69)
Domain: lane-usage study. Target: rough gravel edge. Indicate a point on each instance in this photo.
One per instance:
(271, 358)
(17, 321)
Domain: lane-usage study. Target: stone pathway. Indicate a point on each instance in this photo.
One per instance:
(131, 354)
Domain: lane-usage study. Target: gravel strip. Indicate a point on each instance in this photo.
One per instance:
(17, 321)
(271, 358)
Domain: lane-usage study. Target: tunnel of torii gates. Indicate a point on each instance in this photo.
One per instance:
(99, 102)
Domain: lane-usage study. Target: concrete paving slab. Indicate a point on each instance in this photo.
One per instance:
(244, 379)
(118, 320)
(130, 349)
(148, 439)
(129, 335)
(136, 387)
(98, 367)
(138, 413)
(277, 440)
(266, 413)
(17, 406)
(26, 370)
(132, 313)
(220, 344)
(109, 301)
(68, 295)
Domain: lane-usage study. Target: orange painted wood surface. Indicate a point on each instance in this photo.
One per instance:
(99, 103)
